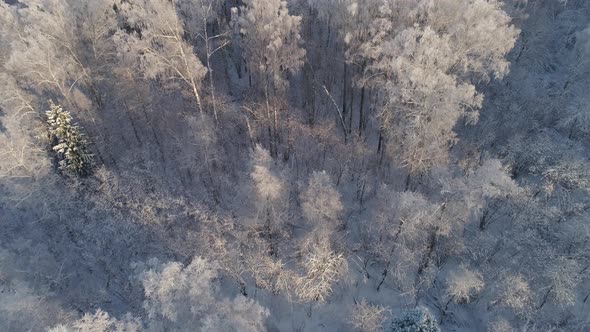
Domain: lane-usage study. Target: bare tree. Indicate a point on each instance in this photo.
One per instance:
(271, 200)
(270, 39)
(463, 285)
(350, 21)
(46, 51)
(323, 268)
(198, 15)
(100, 321)
(425, 56)
(368, 317)
(183, 298)
(405, 224)
(161, 50)
(514, 293)
(321, 203)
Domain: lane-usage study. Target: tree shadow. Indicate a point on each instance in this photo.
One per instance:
(2, 114)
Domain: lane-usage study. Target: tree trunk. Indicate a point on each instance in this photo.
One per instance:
(428, 257)
(211, 86)
(362, 105)
(446, 309)
(276, 130)
(350, 111)
(197, 97)
(268, 119)
(571, 134)
(545, 298)
(344, 92)
(380, 144)
(384, 275)
(361, 109)
(329, 33)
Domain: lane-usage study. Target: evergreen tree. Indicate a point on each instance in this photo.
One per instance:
(68, 142)
(417, 320)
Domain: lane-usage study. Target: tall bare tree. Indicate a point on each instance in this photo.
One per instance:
(158, 46)
(270, 39)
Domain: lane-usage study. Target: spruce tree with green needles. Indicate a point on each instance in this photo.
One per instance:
(68, 142)
(416, 320)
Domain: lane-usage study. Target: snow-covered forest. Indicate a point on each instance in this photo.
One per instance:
(294, 165)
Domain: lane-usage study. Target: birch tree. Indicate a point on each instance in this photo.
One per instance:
(323, 268)
(426, 56)
(351, 22)
(367, 317)
(62, 47)
(405, 227)
(199, 15)
(158, 47)
(182, 298)
(270, 40)
(321, 203)
(271, 201)
(46, 56)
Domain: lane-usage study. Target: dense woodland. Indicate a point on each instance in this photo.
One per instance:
(299, 165)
